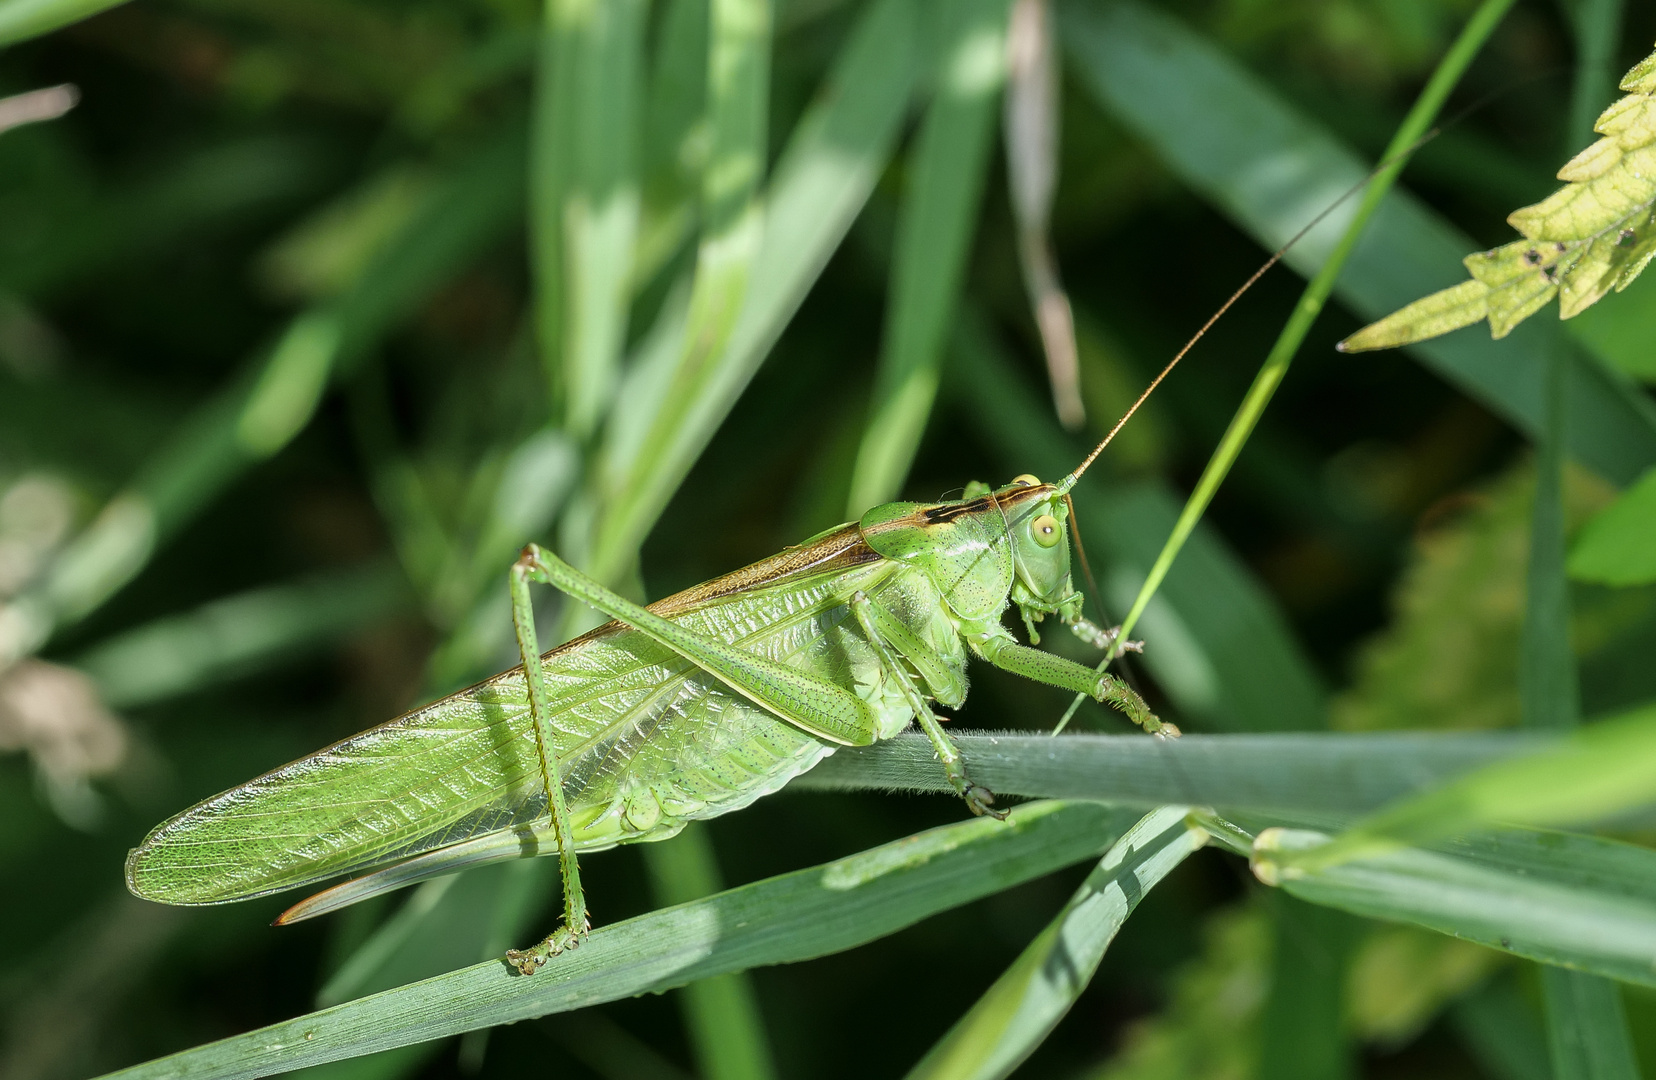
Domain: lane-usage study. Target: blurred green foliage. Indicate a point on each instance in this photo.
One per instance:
(313, 311)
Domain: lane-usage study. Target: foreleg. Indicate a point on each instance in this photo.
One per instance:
(1044, 667)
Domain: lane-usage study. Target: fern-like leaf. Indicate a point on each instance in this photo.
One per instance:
(1596, 233)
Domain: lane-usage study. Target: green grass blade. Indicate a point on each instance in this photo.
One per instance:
(1614, 547)
(24, 19)
(1220, 647)
(1596, 25)
(1020, 1010)
(1317, 291)
(674, 152)
(785, 919)
(1586, 1024)
(585, 198)
(1303, 1024)
(727, 1030)
(1547, 688)
(236, 634)
(1558, 898)
(1271, 169)
(820, 183)
(1502, 1031)
(1291, 774)
(934, 236)
(733, 214)
(1586, 1027)
(1596, 771)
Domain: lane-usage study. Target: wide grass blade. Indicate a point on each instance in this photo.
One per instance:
(1017, 1013)
(1586, 1027)
(1604, 768)
(934, 236)
(820, 183)
(733, 226)
(1559, 898)
(1271, 169)
(1290, 774)
(586, 189)
(785, 919)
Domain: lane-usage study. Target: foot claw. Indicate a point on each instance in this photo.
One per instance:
(981, 801)
(563, 939)
(1111, 637)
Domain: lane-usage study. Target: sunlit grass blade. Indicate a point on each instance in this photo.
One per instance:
(1291, 774)
(1586, 1027)
(1220, 647)
(584, 195)
(934, 236)
(275, 394)
(1271, 169)
(785, 919)
(727, 1030)
(733, 225)
(1559, 898)
(1601, 769)
(236, 634)
(817, 188)
(24, 19)
(675, 149)
(1015, 1015)
(1317, 291)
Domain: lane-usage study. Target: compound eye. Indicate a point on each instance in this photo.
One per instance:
(1045, 530)
(1026, 480)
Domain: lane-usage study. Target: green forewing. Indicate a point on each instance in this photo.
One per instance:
(645, 741)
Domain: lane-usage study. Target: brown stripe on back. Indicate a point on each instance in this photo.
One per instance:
(839, 550)
(944, 513)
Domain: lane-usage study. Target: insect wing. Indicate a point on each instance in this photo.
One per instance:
(644, 739)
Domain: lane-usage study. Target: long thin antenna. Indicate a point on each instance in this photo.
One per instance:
(1276, 257)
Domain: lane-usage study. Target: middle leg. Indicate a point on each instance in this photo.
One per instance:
(979, 799)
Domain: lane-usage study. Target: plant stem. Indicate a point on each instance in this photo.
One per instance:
(1271, 373)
